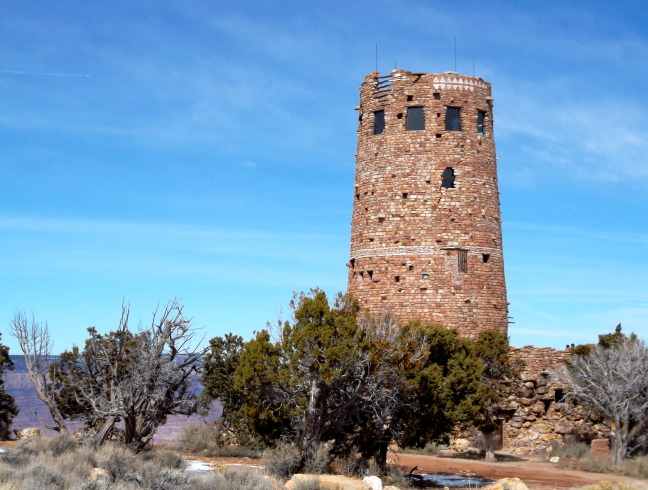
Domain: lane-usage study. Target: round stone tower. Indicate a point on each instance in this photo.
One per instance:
(426, 238)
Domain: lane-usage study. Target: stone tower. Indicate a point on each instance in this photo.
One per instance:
(426, 239)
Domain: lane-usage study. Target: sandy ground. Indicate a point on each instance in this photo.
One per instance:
(536, 474)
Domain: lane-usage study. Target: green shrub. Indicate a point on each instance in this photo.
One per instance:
(202, 439)
(282, 461)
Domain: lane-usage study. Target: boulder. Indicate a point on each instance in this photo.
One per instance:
(374, 481)
(600, 446)
(507, 484)
(23, 433)
(334, 482)
(460, 445)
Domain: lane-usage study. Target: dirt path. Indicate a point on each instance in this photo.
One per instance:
(537, 475)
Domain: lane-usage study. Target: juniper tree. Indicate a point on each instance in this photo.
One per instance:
(612, 379)
(8, 408)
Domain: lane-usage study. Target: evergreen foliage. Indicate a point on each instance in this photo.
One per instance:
(8, 408)
(329, 378)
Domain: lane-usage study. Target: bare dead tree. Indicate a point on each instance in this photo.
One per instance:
(139, 378)
(35, 342)
(613, 381)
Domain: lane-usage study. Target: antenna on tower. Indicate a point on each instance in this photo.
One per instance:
(455, 54)
(376, 57)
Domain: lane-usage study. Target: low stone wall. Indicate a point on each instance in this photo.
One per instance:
(536, 413)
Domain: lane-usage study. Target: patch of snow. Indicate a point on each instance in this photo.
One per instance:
(455, 480)
(195, 466)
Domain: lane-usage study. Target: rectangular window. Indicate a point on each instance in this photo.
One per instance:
(379, 122)
(415, 119)
(462, 259)
(481, 115)
(453, 119)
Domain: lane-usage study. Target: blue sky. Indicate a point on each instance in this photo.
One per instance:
(203, 151)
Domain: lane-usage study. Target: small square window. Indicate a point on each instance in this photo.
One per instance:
(411, 267)
(481, 116)
(379, 122)
(410, 98)
(485, 258)
(415, 119)
(405, 195)
(453, 119)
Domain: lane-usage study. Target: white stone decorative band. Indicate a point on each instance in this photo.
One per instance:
(424, 250)
(463, 83)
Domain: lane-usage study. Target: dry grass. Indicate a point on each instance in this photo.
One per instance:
(578, 456)
(204, 440)
(62, 463)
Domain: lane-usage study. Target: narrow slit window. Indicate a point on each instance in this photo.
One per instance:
(379, 122)
(453, 119)
(462, 260)
(370, 274)
(559, 395)
(485, 258)
(448, 178)
(415, 119)
(405, 195)
(481, 116)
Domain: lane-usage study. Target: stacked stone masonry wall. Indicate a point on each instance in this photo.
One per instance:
(536, 414)
(420, 250)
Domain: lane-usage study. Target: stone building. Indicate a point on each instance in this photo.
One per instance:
(426, 240)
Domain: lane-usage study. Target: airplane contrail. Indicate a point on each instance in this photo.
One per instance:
(18, 72)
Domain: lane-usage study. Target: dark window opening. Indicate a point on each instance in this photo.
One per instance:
(428, 181)
(371, 240)
(415, 119)
(437, 96)
(352, 262)
(397, 278)
(383, 298)
(438, 114)
(426, 276)
(462, 259)
(559, 395)
(411, 267)
(481, 115)
(399, 115)
(448, 178)
(370, 274)
(405, 195)
(453, 119)
(379, 122)
(381, 219)
(410, 98)
(362, 274)
(485, 258)
(438, 135)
